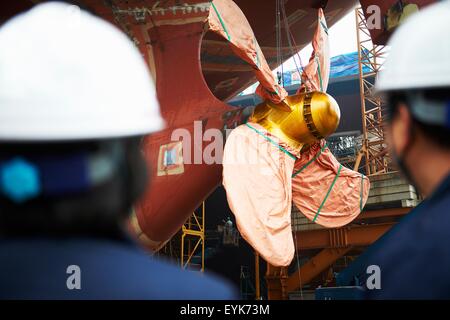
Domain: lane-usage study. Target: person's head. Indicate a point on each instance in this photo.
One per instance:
(416, 87)
(76, 98)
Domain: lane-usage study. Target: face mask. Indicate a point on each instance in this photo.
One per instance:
(400, 160)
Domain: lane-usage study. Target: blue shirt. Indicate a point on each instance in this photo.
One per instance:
(37, 268)
(414, 256)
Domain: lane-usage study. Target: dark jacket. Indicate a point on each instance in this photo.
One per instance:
(414, 256)
(36, 268)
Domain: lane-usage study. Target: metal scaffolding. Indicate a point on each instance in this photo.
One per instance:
(370, 59)
(192, 255)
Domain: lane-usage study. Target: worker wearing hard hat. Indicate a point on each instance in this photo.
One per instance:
(414, 256)
(75, 99)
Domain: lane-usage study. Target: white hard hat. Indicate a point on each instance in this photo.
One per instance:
(420, 52)
(68, 75)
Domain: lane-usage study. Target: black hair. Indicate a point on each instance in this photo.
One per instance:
(438, 135)
(98, 212)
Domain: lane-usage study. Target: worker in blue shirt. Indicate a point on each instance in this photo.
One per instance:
(76, 98)
(414, 256)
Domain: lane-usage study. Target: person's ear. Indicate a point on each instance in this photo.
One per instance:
(401, 129)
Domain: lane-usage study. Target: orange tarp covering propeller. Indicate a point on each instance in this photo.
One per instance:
(228, 20)
(257, 178)
(316, 74)
(325, 191)
(263, 176)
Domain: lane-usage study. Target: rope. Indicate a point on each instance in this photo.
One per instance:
(310, 161)
(277, 31)
(288, 31)
(328, 193)
(291, 40)
(271, 141)
(319, 72)
(317, 60)
(279, 43)
(298, 265)
(361, 193)
(325, 28)
(258, 60)
(295, 233)
(221, 21)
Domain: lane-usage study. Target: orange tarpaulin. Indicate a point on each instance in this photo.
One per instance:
(263, 176)
(326, 192)
(316, 74)
(257, 179)
(227, 19)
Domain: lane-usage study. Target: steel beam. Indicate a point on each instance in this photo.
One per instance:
(341, 237)
(314, 267)
(276, 278)
(381, 213)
